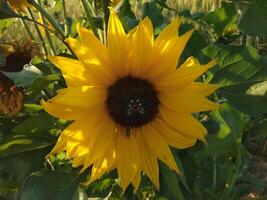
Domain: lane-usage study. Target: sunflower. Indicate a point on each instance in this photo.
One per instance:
(19, 5)
(18, 53)
(128, 101)
(11, 97)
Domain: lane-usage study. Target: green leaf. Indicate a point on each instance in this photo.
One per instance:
(4, 24)
(171, 181)
(154, 12)
(24, 77)
(35, 124)
(240, 73)
(236, 64)
(40, 83)
(54, 185)
(15, 167)
(222, 18)
(248, 97)
(12, 144)
(127, 16)
(254, 20)
(6, 11)
(181, 175)
(230, 133)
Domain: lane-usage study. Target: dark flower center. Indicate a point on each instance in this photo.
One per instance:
(16, 61)
(132, 102)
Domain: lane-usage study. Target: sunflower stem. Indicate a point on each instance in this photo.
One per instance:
(49, 18)
(54, 23)
(39, 24)
(214, 172)
(51, 44)
(39, 33)
(27, 29)
(233, 173)
(105, 5)
(65, 18)
(89, 17)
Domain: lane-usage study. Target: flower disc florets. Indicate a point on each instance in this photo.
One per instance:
(132, 102)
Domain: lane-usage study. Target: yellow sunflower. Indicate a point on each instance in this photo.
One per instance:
(19, 5)
(128, 101)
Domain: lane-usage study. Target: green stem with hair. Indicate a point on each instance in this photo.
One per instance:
(53, 22)
(27, 29)
(49, 18)
(65, 17)
(105, 5)
(38, 23)
(38, 33)
(51, 44)
(90, 19)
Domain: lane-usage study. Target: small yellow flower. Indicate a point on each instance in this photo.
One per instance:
(19, 5)
(128, 101)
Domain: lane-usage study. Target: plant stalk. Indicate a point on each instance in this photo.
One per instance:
(27, 29)
(89, 17)
(39, 33)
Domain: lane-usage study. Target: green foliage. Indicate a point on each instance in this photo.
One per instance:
(25, 77)
(254, 21)
(6, 11)
(222, 18)
(54, 185)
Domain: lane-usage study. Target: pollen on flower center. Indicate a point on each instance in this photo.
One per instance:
(132, 102)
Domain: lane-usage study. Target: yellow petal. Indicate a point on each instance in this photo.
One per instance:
(89, 40)
(96, 68)
(136, 180)
(149, 163)
(103, 149)
(66, 112)
(183, 123)
(169, 32)
(173, 137)
(103, 165)
(149, 28)
(157, 145)
(73, 71)
(141, 51)
(82, 97)
(118, 45)
(186, 102)
(103, 139)
(202, 88)
(128, 160)
(78, 132)
(184, 75)
(166, 57)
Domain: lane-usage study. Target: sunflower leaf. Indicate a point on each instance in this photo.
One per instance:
(171, 181)
(25, 77)
(222, 18)
(6, 12)
(55, 185)
(256, 12)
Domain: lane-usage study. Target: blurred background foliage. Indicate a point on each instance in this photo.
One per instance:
(234, 163)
